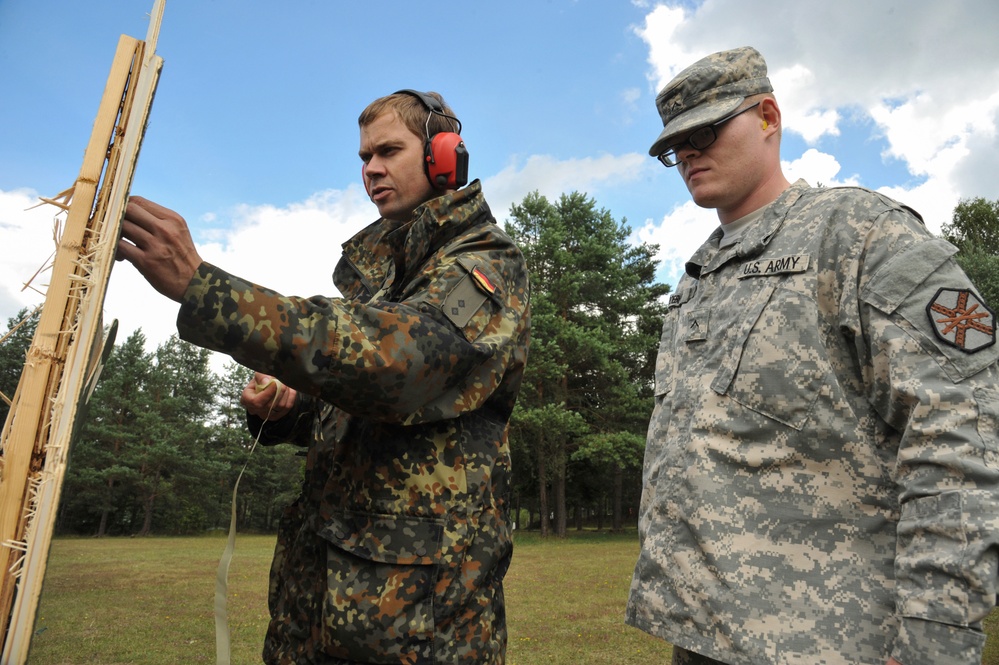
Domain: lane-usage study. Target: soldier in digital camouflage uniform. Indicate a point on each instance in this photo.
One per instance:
(396, 550)
(822, 465)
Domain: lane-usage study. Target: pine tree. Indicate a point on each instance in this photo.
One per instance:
(595, 309)
(99, 478)
(13, 351)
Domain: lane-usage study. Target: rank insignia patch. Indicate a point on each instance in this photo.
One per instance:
(961, 319)
(463, 301)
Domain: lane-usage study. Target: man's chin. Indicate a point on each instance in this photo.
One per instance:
(703, 197)
(394, 214)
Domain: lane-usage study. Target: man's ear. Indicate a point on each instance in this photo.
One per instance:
(770, 112)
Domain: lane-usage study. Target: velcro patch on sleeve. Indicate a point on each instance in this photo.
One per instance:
(464, 300)
(961, 319)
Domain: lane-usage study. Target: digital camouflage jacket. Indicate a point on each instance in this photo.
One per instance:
(396, 549)
(821, 480)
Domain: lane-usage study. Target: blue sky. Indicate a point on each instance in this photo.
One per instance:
(253, 133)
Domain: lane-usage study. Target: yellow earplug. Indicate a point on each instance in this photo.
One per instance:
(764, 124)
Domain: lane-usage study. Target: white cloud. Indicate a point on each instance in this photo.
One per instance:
(934, 200)
(800, 109)
(934, 107)
(977, 172)
(28, 245)
(816, 168)
(551, 177)
(678, 235)
(292, 250)
(667, 55)
(630, 98)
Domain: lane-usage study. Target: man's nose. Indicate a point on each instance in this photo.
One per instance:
(686, 151)
(375, 166)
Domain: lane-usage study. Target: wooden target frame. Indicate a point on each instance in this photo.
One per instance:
(70, 343)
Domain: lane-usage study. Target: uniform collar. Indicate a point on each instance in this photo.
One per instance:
(386, 248)
(754, 238)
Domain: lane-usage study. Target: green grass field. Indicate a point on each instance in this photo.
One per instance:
(150, 601)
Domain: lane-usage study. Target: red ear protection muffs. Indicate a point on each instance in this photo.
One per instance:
(444, 153)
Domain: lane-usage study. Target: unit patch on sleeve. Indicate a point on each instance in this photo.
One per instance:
(961, 319)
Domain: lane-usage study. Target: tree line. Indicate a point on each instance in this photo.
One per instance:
(164, 439)
(160, 445)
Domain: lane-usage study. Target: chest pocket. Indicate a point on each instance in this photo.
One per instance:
(777, 364)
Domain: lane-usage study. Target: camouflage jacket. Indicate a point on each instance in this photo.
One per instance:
(396, 549)
(821, 479)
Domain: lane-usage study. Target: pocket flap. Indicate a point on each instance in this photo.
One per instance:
(903, 272)
(396, 539)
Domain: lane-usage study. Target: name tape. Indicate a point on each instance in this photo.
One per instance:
(777, 266)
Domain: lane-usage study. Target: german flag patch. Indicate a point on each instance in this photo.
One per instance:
(483, 281)
(960, 318)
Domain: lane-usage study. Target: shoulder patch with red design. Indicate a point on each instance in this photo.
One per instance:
(961, 319)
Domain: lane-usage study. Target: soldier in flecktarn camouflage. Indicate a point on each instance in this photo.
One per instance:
(821, 479)
(400, 391)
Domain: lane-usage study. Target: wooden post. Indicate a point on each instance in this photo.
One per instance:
(70, 343)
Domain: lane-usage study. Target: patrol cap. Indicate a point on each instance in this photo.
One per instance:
(708, 90)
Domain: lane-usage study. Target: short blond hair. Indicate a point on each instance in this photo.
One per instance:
(413, 113)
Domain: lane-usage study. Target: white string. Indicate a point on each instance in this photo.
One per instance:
(222, 635)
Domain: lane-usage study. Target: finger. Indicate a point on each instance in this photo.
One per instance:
(287, 399)
(155, 220)
(152, 208)
(135, 234)
(261, 393)
(270, 385)
(125, 251)
(138, 205)
(249, 391)
(132, 244)
(282, 403)
(260, 410)
(271, 388)
(138, 213)
(267, 398)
